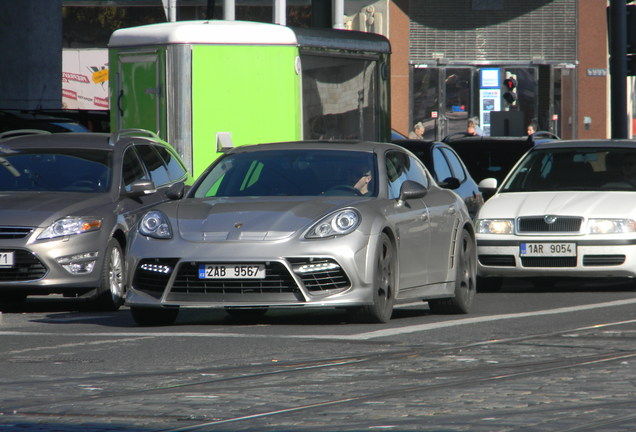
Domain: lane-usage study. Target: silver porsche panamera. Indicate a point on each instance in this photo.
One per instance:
(355, 225)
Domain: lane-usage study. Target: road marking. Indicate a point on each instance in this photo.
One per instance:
(358, 336)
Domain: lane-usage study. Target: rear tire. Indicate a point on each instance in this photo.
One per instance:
(384, 285)
(465, 280)
(150, 317)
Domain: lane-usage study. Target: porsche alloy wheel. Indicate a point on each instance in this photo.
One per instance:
(384, 284)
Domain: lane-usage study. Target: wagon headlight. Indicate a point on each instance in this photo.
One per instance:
(611, 226)
(336, 224)
(69, 226)
(155, 224)
(494, 226)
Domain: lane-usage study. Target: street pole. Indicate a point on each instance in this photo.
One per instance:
(618, 67)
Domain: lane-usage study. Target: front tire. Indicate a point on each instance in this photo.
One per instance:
(384, 284)
(465, 280)
(151, 317)
(111, 291)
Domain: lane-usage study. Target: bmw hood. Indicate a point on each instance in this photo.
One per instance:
(35, 209)
(251, 219)
(511, 205)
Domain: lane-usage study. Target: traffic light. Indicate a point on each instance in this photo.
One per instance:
(510, 89)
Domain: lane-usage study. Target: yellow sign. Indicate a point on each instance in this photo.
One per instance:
(100, 76)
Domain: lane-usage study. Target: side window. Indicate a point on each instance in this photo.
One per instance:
(154, 164)
(416, 172)
(175, 169)
(458, 169)
(401, 167)
(396, 172)
(132, 169)
(442, 170)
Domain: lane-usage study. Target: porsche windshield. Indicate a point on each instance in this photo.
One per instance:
(55, 170)
(291, 173)
(575, 169)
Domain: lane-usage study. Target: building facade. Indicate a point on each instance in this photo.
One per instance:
(449, 58)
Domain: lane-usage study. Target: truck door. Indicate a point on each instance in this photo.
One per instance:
(140, 91)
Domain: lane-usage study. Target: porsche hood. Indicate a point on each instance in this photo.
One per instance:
(251, 219)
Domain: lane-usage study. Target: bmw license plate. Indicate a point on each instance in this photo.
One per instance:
(547, 249)
(6, 259)
(231, 271)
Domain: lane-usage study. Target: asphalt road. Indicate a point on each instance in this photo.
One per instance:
(529, 358)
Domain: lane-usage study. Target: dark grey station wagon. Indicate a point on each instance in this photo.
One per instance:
(67, 202)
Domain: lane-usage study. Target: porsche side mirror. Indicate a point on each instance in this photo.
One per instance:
(412, 190)
(451, 183)
(176, 191)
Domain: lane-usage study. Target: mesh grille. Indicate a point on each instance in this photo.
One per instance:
(26, 268)
(322, 280)
(497, 31)
(277, 280)
(548, 262)
(153, 283)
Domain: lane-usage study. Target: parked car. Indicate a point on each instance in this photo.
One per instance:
(447, 169)
(568, 209)
(360, 226)
(67, 202)
(22, 119)
(493, 157)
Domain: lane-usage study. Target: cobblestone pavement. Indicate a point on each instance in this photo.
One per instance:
(581, 380)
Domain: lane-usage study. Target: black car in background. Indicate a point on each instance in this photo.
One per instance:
(493, 156)
(447, 169)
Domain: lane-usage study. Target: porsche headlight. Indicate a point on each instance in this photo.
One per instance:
(611, 226)
(155, 224)
(69, 226)
(494, 226)
(336, 224)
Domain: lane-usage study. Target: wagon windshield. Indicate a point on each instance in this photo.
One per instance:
(575, 169)
(291, 173)
(55, 170)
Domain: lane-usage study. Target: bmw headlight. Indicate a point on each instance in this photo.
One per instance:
(155, 224)
(494, 226)
(69, 226)
(611, 226)
(336, 224)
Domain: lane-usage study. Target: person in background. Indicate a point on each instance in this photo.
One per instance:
(532, 128)
(418, 131)
(473, 128)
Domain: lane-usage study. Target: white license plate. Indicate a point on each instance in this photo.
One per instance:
(231, 271)
(6, 259)
(547, 249)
